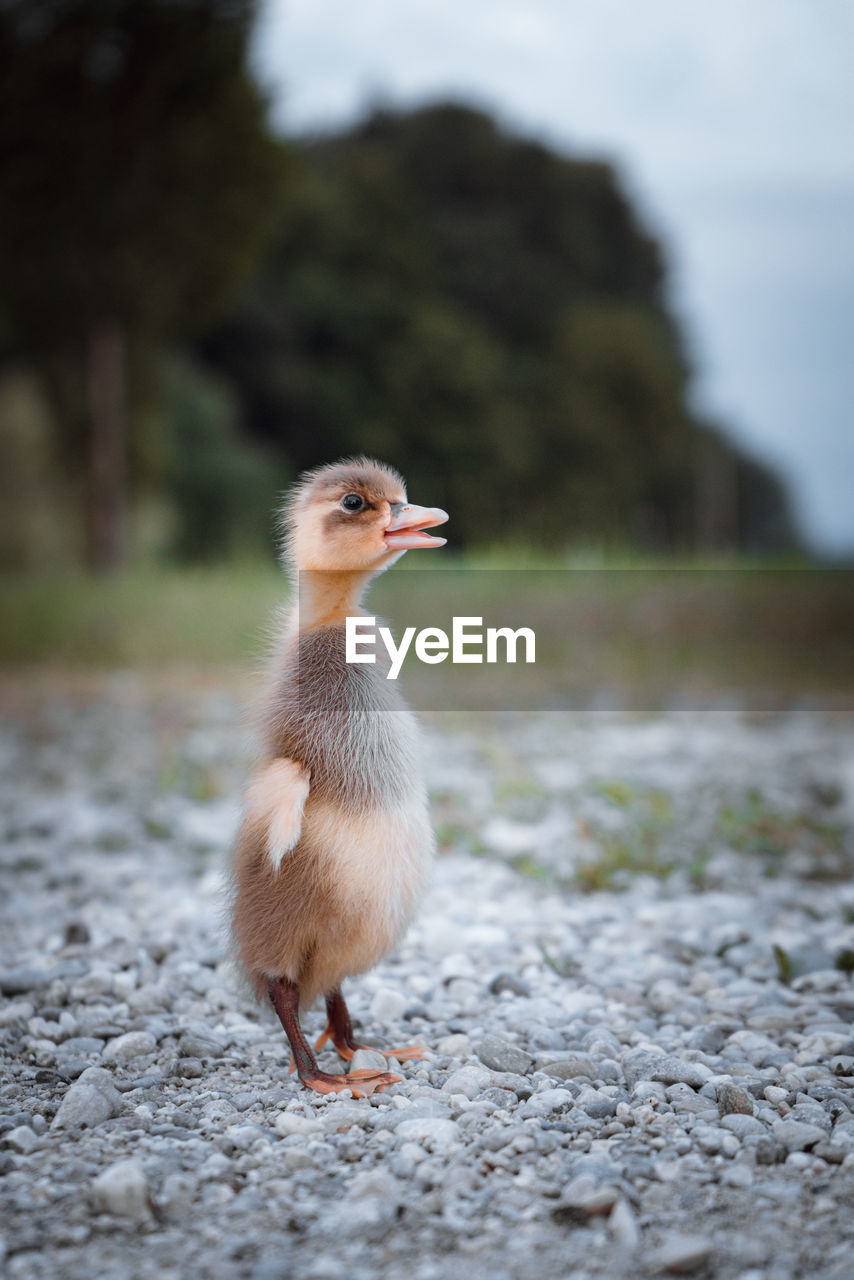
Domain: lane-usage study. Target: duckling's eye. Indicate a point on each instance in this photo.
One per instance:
(353, 502)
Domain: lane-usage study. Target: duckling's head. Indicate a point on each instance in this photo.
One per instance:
(354, 516)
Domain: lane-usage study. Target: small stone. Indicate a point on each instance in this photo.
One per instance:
(799, 1161)
(765, 1150)
(288, 1122)
(795, 1136)
(683, 1098)
(438, 1133)
(548, 1102)
(455, 1046)
(418, 1109)
(176, 1194)
(500, 1055)
(681, 1255)
(732, 1099)
(649, 1091)
(76, 934)
(708, 1138)
(187, 1068)
(83, 1105)
(668, 1170)
(470, 1081)
(91, 1100)
(368, 1059)
(375, 1182)
(663, 1068)
(585, 1197)
(217, 1165)
(843, 1136)
(774, 1094)
(742, 1125)
(342, 1114)
(509, 982)
(151, 1080)
(830, 1153)
(811, 1113)
(22, 1138)
(94, 982)
(710, 1039)
(520, 1085)
(17, 982)
(16, 1013)
(134, 1044)
(199, 1046)
(569, 1068)
(504, 1098)
(596, 1105)
(218, 1109)
(730, 1145)
(623, 1226)
(388, 1005)
(81, 1046)
(123, 1190)
(244, 1099)
(738, 1174)
(245, 1137)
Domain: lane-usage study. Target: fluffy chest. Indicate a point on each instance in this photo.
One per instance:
(376, 865)
(347, 724)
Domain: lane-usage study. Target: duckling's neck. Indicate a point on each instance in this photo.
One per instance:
(325, 597)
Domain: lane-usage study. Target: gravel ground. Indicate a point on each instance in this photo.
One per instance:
(631, 973)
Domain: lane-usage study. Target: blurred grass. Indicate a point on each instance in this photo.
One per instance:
(645, 634)
(654, 635)
(208, 616)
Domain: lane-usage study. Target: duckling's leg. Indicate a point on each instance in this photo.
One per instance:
(339, 1030)
(285, 998)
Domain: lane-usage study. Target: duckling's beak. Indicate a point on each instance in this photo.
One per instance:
(408, 522)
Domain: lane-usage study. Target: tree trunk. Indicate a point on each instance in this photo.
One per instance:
(716, 493)
(107, 497)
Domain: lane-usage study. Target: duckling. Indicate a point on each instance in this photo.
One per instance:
(336, 842)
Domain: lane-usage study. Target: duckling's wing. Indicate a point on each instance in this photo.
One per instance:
(276, 798)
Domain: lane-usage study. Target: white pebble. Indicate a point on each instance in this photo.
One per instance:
(21, 1139)
(623, 1226)
(134, 1044)
(368, 1060)
(469, 1081)
(439, 1133)
(123, 1190)
(288, 1122)
(388, 1005)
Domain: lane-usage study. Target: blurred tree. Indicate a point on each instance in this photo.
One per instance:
(221, 489)
(38, 527)
(491, 316)
(139, 184)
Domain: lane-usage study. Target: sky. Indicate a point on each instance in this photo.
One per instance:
(733, 127)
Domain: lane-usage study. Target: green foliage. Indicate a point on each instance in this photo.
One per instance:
(222, 487)
(138, 174)
(484, 312)
(638, 847)
(489, 315)
(754, 828)
(529, 867)
(140, 182)
(784, 963)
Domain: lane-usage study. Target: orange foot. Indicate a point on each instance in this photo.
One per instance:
(346, 1051)
(360, 1083)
